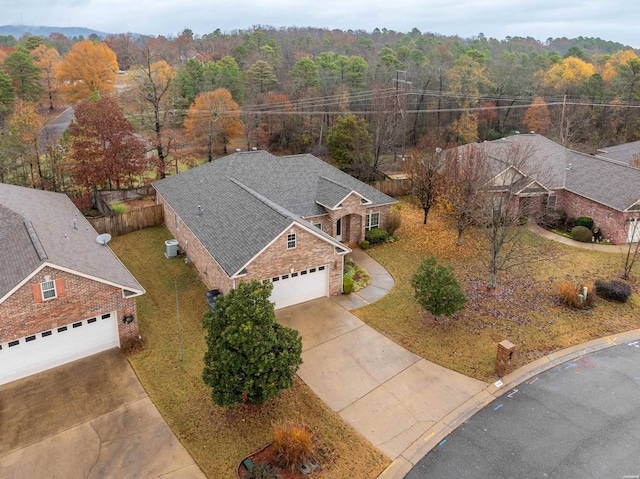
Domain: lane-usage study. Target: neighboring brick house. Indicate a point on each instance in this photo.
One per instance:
(63, 296)
(604, 189)
(288, 219)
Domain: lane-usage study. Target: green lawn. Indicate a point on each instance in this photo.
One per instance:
(524, 309)
(218, 439)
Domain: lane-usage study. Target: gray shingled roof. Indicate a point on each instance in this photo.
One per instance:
(49, 216)
(610, 183)
(330, 193)
(625, 153)
(249, 198)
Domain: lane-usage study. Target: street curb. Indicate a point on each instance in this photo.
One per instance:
(439, 431)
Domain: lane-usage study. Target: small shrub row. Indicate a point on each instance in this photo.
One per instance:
(376, 236)
(614, 290)
(572, 295)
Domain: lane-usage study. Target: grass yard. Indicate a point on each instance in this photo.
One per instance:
(217, 438)
(524, 309)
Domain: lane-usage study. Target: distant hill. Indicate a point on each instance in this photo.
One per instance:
(18, 30)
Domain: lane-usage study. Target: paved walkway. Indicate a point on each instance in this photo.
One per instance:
(605, 248)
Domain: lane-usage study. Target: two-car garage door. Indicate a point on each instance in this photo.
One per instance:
(48, 349)
(300, 286)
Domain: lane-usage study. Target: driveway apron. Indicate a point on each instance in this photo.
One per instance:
(391, 396)
(87, 419)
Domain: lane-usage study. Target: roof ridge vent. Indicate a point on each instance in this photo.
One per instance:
(31, 231)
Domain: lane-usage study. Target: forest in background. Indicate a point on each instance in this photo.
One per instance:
(190, 97)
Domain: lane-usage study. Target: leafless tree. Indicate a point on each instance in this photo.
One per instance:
(424, 169)
(633, 250)
(464, 178)
(508, 196)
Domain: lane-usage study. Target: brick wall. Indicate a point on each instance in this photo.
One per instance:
(610, 221)
(310, 251)
(21, 315)
(211, 273)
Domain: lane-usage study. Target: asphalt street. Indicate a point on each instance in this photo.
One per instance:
(580, 419)
(54, 130)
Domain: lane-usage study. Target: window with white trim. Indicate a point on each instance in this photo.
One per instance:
(372, 220)
(48, 290)
(291, 240)
(551, 202)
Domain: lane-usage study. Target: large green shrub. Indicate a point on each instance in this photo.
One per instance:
(584, 221)
(364, 244)
(581, 233)
(615, 290)
(376, 236)
(437, 289)
(250, 357)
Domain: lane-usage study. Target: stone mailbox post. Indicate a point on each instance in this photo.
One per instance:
(505, 358)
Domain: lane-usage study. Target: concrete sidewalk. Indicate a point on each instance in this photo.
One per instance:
(550, 235)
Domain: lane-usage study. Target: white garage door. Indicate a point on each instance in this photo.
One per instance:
(633, 234)
(48, 349)
(294, 288)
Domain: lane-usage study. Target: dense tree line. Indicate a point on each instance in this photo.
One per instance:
(293, 89)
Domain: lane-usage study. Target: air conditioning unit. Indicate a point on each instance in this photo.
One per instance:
(171, 248)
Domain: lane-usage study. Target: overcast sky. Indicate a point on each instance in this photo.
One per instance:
(614, 20)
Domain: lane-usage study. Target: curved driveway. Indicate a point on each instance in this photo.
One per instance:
(580, 419)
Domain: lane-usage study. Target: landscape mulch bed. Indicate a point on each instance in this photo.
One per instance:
(266, 455)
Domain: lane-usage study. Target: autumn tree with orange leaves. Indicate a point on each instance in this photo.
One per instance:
(104, 150)
(48, 60)
(24, 130)
(537, 118)
(89, 68)
(213, 117)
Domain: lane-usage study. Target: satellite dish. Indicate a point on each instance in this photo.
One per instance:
(103, 239)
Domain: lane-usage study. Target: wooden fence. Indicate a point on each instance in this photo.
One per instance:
(393, 188)
(133, 220)
(115, 196)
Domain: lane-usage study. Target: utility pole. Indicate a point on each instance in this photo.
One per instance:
(564, 105)
(401, 111)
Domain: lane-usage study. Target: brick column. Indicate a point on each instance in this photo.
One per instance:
(505, 358)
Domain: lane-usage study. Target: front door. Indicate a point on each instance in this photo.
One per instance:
(339, 229)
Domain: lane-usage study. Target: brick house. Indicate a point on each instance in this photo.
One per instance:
(607, 190)
(252, 215)
(63, 296)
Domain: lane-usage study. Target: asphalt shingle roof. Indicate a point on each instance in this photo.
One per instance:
(610, 183)
(625, 153)
(248, 198)
(38, 226)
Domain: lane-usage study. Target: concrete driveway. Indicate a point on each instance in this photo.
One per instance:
(87, 419)
(386, 393)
